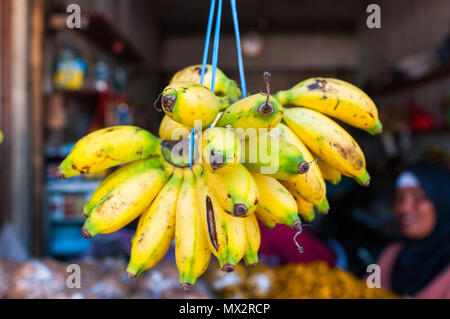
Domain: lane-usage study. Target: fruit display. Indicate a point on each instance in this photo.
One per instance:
(220, 164)
(315, 280)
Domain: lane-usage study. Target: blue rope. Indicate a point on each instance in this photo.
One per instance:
(207, 40)
(191, 148)
(216, 45)
(238, 45)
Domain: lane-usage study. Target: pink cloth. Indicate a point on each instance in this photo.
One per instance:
(438, 288)
(279, 242)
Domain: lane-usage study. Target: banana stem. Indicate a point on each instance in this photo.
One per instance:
(266, 108)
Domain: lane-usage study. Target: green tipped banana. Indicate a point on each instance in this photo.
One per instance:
(126, 201)
(119, 175)
(273, 156)
(335, 98)
(236, 190)
(223, 86)
(256, 112)
(220, 149)
(108, 147)
(188, 102)
(329, 141)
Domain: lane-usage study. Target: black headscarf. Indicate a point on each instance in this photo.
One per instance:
(421, 261)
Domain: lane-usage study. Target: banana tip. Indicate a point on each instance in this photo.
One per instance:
(303, 167)
(186, 287)
(252, 265)
(131, 275)
(239, 210)
(228, 268)
(366, 184)
(59, 174)
(85, 233)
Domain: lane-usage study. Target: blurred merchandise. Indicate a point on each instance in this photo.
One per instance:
(70, 69)
(419, 119)
(101, 278)
(56, 119)
(103, 77)
(316, 280)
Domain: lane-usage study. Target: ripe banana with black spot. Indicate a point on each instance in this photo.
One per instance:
(192, 253)
(226, 233)
(277, 201)
(126, 201)
(329, 141)
(188, 102)
(157, 229)
(256, 114)
(220, 149)
(223, 86)
(235, 190)
(121, 174)
(336, 98)
(253, 237)
(310, 186)
(273, 156)
(108, 147)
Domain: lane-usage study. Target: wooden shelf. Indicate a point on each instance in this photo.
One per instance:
(98, 30)
(407, 84)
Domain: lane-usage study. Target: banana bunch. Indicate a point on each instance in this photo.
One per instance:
(220, 165)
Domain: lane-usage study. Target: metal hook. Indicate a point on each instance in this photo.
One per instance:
(300, 248)
(154, 103)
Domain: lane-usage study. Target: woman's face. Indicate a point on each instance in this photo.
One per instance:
(415, 212)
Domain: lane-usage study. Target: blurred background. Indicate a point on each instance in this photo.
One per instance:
(58, 84)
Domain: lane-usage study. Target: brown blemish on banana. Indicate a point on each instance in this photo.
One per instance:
(168, 100)
(319, 84)
(211, 222)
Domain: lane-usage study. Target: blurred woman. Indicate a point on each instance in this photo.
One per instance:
(419, 265)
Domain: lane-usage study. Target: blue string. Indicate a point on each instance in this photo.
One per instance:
(216, 45)
(207, 40)
(191, 148)
(238, 45)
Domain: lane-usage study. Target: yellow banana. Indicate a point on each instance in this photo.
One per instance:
(310, 186)
(223, 86)
(220, 149)
(1, 136)
(329, 173)
(187, 102)
(335, 98)
(125, 201)
(273, 156)
(172, 130)
(235, 190)
(108, 147)
(329, 141)
(305, 208)
(256, 114)
(192, 253)
(122, 173)
(157, 229)
(253, 237)
(265, 218)
(276, 201)
(226, 233)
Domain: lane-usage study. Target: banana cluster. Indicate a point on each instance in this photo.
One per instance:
(248, 159)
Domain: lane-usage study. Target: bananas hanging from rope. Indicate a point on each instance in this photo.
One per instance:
(255, 161)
